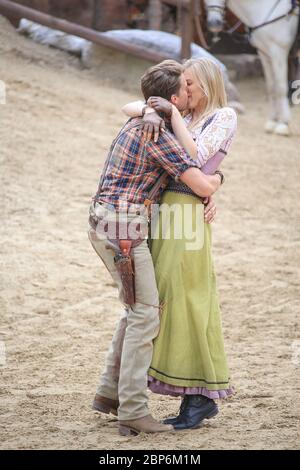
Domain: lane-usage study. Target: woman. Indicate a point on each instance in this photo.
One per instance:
(189, 357)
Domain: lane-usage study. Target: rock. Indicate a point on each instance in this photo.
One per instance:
(52, 37)
(118, 67)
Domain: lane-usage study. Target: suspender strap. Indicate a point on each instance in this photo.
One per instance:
(155, 189)
(125, 128)
(157, 185)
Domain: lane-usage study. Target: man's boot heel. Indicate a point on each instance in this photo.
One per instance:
(105, 405)
(126, 431)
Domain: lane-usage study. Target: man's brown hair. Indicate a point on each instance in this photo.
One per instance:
(162, 80)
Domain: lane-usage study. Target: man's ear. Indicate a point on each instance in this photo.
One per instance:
(174, 99)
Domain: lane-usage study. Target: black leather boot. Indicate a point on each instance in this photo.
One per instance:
(175, 419)
(197, 409)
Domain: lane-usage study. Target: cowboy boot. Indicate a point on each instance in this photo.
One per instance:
(105, 405)
(147, 424)
(197, 409)
(175, 419)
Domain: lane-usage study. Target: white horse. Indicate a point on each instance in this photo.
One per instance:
(273, 27)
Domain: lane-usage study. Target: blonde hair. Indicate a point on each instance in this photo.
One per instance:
(208, 76)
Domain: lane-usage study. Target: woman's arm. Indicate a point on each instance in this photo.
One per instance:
(170, 111)
(134, 109)
(182, 134)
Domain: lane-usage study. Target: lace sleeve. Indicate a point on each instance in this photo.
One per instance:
(215, 135)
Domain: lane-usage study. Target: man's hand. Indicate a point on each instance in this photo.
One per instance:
(152, 125)
(160, 105)
(209, 210)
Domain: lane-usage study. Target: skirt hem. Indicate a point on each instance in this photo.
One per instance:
(162, 388)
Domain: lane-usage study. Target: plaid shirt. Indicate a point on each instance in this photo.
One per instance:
(135, 165)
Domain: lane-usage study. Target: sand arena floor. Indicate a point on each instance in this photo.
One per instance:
(59, 306)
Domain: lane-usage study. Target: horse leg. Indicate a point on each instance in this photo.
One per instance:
(293, 69)
(280, 77)
(268, 73)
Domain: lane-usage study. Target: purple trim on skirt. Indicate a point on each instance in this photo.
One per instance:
(156, 386)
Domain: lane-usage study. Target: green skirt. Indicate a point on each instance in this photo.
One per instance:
(189, 349)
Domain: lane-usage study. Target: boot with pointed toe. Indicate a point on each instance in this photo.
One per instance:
(176, 419)
(105, 405)
(147, 424)
(197, 409)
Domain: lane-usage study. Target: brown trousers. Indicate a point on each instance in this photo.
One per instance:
(130, 353)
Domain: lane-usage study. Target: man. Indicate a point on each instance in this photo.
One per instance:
(133, 168)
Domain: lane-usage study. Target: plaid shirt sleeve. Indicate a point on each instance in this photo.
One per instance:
(166, 152)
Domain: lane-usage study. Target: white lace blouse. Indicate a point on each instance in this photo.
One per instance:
(218, 134)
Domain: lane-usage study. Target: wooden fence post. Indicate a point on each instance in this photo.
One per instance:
(155, 14)
(187, 31)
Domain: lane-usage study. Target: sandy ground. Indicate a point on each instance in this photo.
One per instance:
(59, 306)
